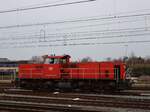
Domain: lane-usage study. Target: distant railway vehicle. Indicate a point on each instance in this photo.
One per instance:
(59, 72)
(9, 69)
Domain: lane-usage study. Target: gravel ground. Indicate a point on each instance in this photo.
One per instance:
(112, 109)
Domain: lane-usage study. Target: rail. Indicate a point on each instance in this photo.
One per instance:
(82, 103)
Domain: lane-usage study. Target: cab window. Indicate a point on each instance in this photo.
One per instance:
(55, 61)
(63, 61)
(49, 61)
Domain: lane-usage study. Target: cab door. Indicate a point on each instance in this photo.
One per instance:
(117, 73)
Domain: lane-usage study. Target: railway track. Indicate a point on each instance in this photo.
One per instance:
(42, 107)
(74, 104)
(7, 87)
(4, 86)
(12, 99)
(69, 93)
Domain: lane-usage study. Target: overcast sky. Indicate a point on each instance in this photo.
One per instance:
(98, 8)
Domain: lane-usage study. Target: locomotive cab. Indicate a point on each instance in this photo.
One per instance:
(56, 59)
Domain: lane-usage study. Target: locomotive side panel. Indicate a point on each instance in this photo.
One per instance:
(70, 73)
(51, 71)
(106, 70)
(28, 71)
(89, 70)
(39, 71)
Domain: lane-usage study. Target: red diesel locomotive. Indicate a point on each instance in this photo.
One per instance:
(59, 72)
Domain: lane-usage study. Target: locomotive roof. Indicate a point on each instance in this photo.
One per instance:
(59, 57)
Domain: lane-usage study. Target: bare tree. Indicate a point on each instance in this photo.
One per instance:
(86, 59)
(108, 58)
(36, 59)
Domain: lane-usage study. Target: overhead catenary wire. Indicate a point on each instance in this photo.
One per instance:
(81, 33)
(75, 21)
(29, 43)
(82, 44)
(99, 24)
(52, 2)
(98, 37)
(44, 6)
(72, 39)
(141, 11)
(109, 43)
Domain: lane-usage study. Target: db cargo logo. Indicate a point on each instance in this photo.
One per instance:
(50, 68)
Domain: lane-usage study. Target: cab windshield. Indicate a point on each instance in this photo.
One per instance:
(55, 61)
